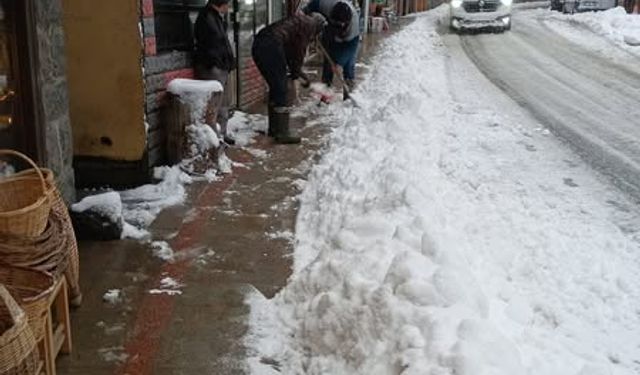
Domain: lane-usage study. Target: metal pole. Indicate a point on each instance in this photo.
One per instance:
(366, 16)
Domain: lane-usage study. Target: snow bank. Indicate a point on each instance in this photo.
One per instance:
(614, 24)
(430, 240)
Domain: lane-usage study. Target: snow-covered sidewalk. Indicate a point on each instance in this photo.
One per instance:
(444, 232)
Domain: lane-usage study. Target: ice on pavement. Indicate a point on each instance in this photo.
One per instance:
(438, 235)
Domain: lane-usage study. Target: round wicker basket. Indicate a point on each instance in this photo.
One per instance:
(24, 205)
(31, 289)
(18, 350)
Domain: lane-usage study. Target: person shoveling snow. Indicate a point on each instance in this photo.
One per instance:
(277, 47)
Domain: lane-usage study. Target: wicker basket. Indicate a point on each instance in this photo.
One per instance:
(24, 206)
(47, 252)
(58, 206)
(31, 289)
(18, 350)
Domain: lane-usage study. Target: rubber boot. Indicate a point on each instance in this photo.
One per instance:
(282, 136)
(272, 131)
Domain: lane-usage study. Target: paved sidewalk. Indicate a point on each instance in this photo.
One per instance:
(230, 236)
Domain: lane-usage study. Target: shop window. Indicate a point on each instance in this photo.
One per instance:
(174, 23)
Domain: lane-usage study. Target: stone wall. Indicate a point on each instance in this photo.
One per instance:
(52, 102)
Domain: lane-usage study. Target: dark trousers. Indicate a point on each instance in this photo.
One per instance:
(343, 54)
(270, 59)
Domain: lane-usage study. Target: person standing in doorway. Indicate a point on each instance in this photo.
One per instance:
(213, 57)
(341, 36)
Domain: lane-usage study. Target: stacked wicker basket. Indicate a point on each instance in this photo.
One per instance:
(37, 247)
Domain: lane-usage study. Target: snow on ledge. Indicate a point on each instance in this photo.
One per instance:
(182, 86)
(195, 93)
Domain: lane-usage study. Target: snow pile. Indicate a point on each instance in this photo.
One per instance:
(108, 205)
(142, 205)
(430, 240)
(243, 127)
(614, 24)
(138, 208)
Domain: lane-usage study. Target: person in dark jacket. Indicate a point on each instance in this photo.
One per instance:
(278, 51)
(213, 56)
(341, 37)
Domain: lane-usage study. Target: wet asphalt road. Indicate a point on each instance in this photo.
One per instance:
(586, 99)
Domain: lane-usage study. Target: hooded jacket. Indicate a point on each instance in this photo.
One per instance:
(294, 34)
(325, 7)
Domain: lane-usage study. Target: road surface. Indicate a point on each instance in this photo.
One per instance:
(586, 99)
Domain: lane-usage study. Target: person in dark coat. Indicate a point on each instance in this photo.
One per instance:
(341, 37)
(213, 55)
(278, 51)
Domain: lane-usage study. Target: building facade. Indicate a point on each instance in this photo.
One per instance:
(122, 54)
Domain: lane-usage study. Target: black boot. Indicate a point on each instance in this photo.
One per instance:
(272, 131)
(282, 136)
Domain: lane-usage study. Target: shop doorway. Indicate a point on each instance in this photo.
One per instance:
(18, 127)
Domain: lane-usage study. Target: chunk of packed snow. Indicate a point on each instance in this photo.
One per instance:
(112, 296)
(132, 232)
(162, 250)
(170, 283)
(114, 354)
(107, 204)
(243, 127)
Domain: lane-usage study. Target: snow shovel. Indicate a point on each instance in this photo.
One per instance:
(345, 89)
